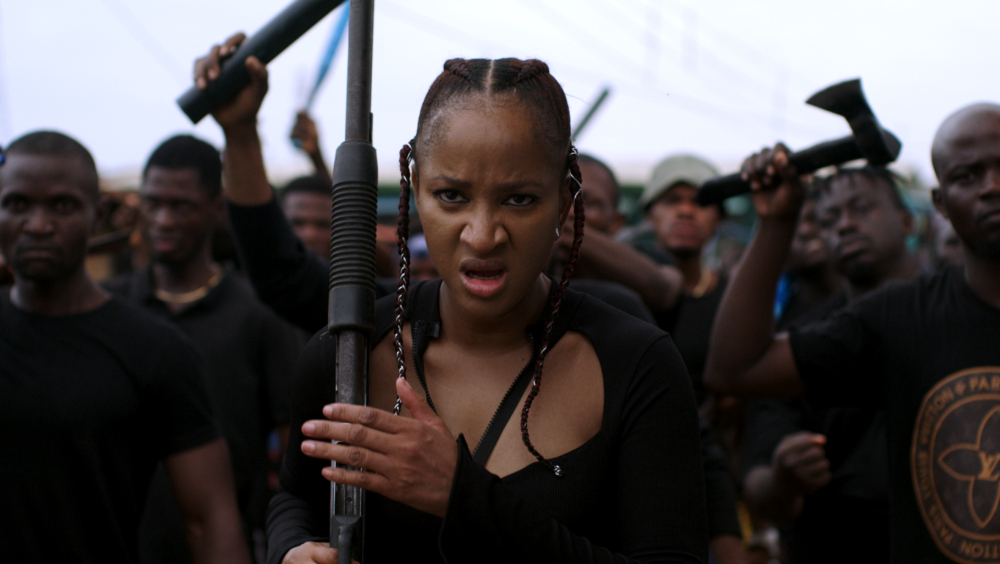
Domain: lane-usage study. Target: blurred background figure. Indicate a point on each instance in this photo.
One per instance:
(421, 265)
(683, 229)
(822, 472)
(249, 353)
(947, 249)
(306, 203)
(305, 136)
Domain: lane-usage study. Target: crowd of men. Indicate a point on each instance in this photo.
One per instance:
(849, 391)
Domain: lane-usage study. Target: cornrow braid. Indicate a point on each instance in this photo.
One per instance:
(530, 69)
(403, 235)
(459, 68)
(552, 309)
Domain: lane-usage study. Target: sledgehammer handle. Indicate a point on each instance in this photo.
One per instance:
(266, 44)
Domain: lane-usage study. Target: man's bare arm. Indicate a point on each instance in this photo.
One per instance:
(745, 357)
(202, 482)
(659, 286)
(244, 178)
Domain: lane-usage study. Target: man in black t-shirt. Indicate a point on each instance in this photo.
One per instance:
(249, 352)
(824, 469)
(925, 351)
(93, 392)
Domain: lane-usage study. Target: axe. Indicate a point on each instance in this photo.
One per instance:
(868, 141)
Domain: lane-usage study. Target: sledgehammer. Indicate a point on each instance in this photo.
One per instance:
(869, 141)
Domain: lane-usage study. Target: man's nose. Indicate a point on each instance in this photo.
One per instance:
(39, 222)
(162, 216)
(686, 208)
(846, 223)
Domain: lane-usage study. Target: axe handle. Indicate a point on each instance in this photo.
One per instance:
(834, 152)
(266, 44)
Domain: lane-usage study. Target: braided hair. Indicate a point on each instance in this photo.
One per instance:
(529, 82)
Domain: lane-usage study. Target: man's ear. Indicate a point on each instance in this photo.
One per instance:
(937, 196)
(909, 223)
(102, 207)
(617, 222)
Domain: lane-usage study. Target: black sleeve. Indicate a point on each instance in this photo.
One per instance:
(281, 344)
(286, 276)
(659, 488)
(720, 491)
(178, 400)
(300, 512)
(840, 359)
(768, 422)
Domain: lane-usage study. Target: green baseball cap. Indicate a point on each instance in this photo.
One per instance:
(676, 169)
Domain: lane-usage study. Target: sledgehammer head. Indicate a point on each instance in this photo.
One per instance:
(878, 146)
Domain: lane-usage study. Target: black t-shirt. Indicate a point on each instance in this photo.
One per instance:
(250, 354)
(928, 353)
(635, 489)
(88, 404)
(693, 330)
(848, 519)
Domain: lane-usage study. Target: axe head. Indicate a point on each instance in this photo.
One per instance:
(847, 99)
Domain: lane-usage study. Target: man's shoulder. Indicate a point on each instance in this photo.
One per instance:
(603, 322)
(616, 295)
(910, 297)
(130, 323)
(121, 285)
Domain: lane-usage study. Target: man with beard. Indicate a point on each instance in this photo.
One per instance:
(868, 224)
(823, 470)
(249, 352)
(925, 351)
(93, 391)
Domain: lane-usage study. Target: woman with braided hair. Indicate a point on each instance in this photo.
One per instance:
(603, 462)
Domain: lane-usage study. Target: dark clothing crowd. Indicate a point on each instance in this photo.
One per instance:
(829, 395)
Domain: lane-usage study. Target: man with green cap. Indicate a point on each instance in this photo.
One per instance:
(683, 228)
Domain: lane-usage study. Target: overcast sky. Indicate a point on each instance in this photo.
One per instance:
(720, 78)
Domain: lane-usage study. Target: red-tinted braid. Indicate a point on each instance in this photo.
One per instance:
(403, 235)
(553, 308)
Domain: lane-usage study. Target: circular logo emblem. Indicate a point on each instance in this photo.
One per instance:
(955, 462)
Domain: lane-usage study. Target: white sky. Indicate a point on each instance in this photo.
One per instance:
(719, 77)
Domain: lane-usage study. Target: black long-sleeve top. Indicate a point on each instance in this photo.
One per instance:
(635, 492)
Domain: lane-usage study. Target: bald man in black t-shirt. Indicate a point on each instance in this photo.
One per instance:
(925, 351)
(93, 392)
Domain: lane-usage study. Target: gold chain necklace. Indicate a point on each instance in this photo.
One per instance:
(179, 298)
(703, 283)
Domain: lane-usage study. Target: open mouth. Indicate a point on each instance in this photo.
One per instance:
(484, 281)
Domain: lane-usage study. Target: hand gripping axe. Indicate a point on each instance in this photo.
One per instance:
(869, 141)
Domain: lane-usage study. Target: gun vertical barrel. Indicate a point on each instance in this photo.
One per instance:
(352, 257)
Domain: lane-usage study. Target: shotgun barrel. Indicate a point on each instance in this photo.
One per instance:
(352, 260)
